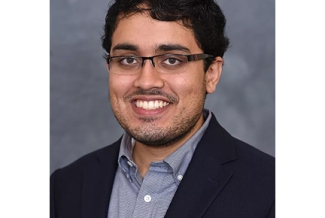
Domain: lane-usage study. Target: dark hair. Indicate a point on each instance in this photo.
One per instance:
(204, 17)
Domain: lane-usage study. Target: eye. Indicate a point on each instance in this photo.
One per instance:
(172, 61)
(128, 61)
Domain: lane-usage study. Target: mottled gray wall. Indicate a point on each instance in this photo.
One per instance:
(81, 118)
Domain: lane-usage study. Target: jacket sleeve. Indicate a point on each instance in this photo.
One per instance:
(271, 213)
(52, 196)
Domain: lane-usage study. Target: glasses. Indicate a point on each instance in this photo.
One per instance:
(165, 63)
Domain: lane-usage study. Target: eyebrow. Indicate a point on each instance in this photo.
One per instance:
(160, 48)
(125, 46)
(172, 47)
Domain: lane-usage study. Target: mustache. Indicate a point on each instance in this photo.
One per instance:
(171, 98)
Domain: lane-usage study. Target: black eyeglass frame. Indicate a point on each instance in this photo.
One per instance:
(190, 57)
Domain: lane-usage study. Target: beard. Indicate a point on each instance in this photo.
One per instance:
(152, 135)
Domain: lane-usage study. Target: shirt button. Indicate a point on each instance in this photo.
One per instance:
(147, 198)
(179, 177)
(130, 164)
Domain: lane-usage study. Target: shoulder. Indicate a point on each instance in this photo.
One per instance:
(253, 167)
(228, 149)
(252, 181)
(250, 191)
(105, 154)
(253, 178)
(253, 173)
(251, 155)
(68, 184)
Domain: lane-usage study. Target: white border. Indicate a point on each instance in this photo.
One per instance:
(300, 100)
(24, 110)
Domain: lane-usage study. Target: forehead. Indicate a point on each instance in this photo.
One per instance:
(147, 34)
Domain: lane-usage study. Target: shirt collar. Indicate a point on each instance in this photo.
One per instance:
(178, 160)
(125, 154)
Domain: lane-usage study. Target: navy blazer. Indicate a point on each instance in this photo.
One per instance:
(226, 178)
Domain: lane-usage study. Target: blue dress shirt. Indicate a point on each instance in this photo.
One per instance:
(134, 196)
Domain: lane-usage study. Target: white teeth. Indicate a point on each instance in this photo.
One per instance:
(151, 105)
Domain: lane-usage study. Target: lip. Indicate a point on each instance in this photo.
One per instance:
(149, 113)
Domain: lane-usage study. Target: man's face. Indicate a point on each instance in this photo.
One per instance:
(157, 109)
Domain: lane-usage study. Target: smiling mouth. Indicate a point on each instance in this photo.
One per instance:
(151, 105)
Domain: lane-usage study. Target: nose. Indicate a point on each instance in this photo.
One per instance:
(148, 77)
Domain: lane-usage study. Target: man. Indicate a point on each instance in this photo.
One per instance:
(174, 160)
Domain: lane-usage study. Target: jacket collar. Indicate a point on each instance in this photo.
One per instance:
(205, 176)
(98, 182)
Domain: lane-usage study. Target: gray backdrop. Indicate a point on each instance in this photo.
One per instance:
(81, 119)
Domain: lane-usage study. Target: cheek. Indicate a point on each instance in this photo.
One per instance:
(187, 86)
(118, 85)
(115, 89)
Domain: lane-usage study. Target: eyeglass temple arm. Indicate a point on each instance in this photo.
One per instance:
(196, 57)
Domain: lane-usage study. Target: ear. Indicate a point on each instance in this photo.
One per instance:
(213, 74)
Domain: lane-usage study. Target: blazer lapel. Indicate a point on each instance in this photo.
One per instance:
(98, 182)
(206, 175)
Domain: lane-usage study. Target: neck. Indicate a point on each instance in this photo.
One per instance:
(143, 154)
